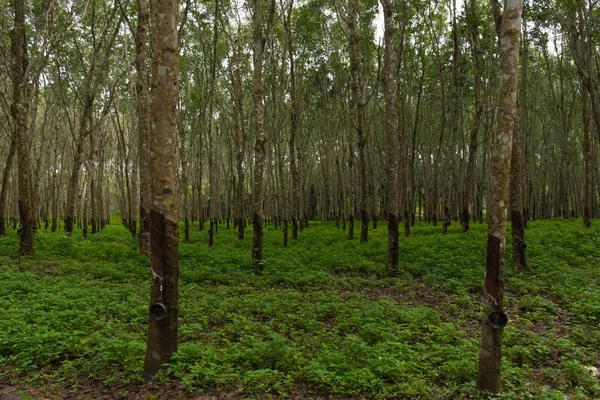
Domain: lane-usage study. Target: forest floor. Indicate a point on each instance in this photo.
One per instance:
(318, 319)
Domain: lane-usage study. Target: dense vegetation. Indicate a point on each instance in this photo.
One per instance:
(318, 318)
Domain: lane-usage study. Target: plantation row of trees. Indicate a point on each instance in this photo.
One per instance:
(326, 151)
(290, 111)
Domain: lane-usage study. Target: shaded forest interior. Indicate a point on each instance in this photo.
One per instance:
(84, 94)
(273, 116)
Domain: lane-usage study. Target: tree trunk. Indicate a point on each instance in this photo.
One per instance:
(261, 139)
(19, 115)
(240, 129)
(4, 190)
(358, 101)
(164, 290)
(491, 341)
(295, 174)
(516, 201)
(588, 160)
(391, 140)
(212, 168)
(73, 186)
(143, 124)
(517, 217)
(469, 194)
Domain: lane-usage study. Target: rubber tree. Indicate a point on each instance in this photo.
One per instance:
(475, 47)
(294, 120)
(517, 215)
(358, 102)
(19, 115)
(260, 41)
(143, 122)
(491, 341)
(4, 190)
(164, 289)
(391, 138)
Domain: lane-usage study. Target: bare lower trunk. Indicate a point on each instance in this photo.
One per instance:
(351, 226)
(19, 115)
(85, 220)
(491, 340)
(74, 184)
(261, 139)
(446, 221)
(4, 190)
(143, 125)
(164, 290)
(588, 162)
(392, 205)
(358, 102)
(516, 202)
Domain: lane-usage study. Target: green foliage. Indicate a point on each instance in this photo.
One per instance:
(319, 315)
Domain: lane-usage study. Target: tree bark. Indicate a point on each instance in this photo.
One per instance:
(358, 101)
(4, 190)
(143, 123)
(391, 140)
(212, 168)
(162, 333)
(295, 178)
(516, 201)
(469, 194)
(588, 159)
(19, 115)
(491, 342)
(259, 132)
(240, 129)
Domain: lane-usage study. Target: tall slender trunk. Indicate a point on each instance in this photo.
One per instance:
(261, 139)
(435, 198)
(73, 186)
(587, 159)
(517, 216)
(19, 115)
(391, 140)
(212, 169)
(351, 190)
(516, 201)
(469, 195)
(94, 182)
(456, 105)
(103, 208)
(581, 40)
(164, 290)
(143, 123)
(240, 129)
(4, 189)
(295, 178)
(403, 168)
(358, 101)
(33, 94)
(491, 340)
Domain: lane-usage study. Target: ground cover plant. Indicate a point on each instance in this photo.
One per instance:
(318, 319)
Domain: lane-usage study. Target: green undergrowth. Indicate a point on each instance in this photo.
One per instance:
(319, 317)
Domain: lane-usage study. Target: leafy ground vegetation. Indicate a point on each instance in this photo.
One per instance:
(316, 320)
